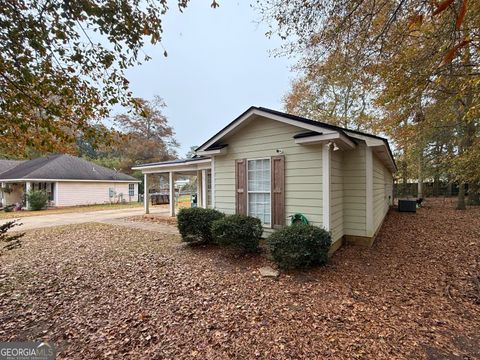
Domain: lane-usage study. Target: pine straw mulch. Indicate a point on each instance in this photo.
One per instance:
(98, 291)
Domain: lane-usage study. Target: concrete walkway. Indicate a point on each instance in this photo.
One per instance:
(102, 216)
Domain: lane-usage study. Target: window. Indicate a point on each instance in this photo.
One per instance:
(259, 189)
(131, 189)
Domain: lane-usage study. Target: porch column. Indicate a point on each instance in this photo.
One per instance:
(55, 193)
(199, 189)
(204, 189)
(146, 199)
(28, 187)
(3, 203)
(171, 193)
(326, 186)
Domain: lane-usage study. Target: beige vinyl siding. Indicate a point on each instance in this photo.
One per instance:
(336, 195)
(354, 191)
(260, 138)
(86, 193)
(382, 189)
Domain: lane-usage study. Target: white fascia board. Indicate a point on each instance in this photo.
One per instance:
(166, 170)
(69, 180)
(318, 139)
(221, 151)
(192, 165)
(268, 116)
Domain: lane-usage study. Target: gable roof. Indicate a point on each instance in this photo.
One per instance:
(6, 165)
(63, 167)
(312, 126)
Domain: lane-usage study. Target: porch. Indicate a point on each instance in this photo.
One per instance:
(199, 167)
(14, 192)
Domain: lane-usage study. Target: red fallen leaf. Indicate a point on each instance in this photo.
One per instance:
(442, 6)
(461, 14)
(451, 53)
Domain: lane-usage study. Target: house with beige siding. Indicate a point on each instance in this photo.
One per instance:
(273, 165)
(67, 180)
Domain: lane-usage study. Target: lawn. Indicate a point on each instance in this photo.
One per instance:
(69, 209)
(103, 292)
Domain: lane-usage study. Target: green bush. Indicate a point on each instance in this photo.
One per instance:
(299, 246)
(37, 200)
(195, 224)
(239, 231)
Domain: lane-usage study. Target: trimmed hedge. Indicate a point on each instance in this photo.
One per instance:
(299, 246)
(239, 231)
(195, 224)
(37, 200)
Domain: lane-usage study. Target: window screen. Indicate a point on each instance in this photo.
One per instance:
(259, 189)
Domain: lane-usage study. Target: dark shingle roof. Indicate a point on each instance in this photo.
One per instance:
(62, 167)
(6, 165)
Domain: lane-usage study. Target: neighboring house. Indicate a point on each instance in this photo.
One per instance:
(68, 181)
(272, 165)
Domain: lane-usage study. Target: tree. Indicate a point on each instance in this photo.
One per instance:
(332, 91)
(191, 152)
(147, 135)
(421, 60)
(62, 66)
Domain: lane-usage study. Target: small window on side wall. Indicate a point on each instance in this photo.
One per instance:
(131, 189)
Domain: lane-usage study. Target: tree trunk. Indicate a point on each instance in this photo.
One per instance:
(461, 197)
(473, 194)
(404, 178)
(420, 175)
(436, 185)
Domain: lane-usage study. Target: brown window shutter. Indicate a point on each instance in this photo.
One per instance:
(241, 186)
(278, 191)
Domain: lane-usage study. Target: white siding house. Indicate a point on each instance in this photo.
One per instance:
(67, 180)
(273, 165)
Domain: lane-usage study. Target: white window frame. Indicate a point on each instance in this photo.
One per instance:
(260, 192)
(133, 189)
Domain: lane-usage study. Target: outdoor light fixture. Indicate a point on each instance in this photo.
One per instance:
(332, 144)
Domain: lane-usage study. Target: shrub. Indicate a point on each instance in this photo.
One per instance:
(37, 199)
(239, 231)
(299, 245)
(195, 224)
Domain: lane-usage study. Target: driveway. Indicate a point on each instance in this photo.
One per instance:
(100, 216)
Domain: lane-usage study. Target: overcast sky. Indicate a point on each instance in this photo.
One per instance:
(218, 65)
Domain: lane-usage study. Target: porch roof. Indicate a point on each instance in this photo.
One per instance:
(179, 166)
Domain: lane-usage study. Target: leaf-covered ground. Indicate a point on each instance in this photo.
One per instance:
(98, 291)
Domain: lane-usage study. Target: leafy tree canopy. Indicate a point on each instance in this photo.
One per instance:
(409, 69)
(62, 66)
(144, 136)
